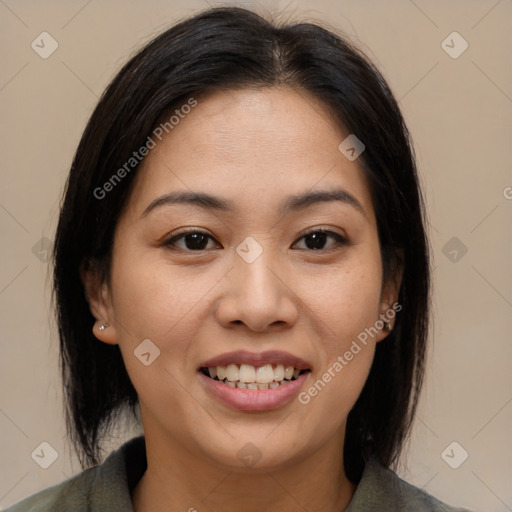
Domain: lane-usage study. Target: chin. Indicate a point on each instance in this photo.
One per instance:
(257, 453)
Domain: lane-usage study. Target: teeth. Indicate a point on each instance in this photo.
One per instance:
(232, 372)
(254, 385)
(288, 372)
(247, 376)
(279, 372)
(221, 372)
(265, 374)
(247, 373)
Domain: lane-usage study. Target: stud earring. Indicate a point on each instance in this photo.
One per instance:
(387, 326)
(103, 327)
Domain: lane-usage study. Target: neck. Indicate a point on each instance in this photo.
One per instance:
(176, 480)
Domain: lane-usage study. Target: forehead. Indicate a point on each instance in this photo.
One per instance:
(248, 144)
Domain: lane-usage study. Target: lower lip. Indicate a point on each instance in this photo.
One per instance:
(254, 399)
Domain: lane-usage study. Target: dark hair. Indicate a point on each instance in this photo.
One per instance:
(226, 48)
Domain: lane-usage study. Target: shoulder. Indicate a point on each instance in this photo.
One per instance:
(102, 487)
(382, 490)
(70, 495)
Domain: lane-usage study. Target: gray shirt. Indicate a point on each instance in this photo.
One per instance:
(107, 488)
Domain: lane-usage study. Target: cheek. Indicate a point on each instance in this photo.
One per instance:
(346, 354)
(154, 311)
(346, 307)
(167, 304)
(347, 302)
(330, 396)
(153, 298)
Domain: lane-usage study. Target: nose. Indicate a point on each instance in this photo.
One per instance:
(257, 294)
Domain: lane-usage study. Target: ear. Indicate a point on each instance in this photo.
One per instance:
(97, 294)
(389, 306)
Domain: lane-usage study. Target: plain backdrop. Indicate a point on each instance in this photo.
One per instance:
(457, 102)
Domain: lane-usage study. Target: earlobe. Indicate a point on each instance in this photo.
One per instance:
(105, 332)
(385, 324)
(97, 296)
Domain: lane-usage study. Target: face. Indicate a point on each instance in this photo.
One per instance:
(248, 283)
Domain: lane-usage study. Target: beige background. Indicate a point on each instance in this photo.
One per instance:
(460, 114)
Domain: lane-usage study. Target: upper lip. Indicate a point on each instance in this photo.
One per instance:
(257, 359)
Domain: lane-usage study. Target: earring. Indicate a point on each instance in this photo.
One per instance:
(387, 326)
(103, 327)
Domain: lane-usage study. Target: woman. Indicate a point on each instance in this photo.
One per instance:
(241, 259)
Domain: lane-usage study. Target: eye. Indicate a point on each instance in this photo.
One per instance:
(315, 239)
(194, 240)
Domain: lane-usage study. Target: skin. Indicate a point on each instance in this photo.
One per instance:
(254, 147)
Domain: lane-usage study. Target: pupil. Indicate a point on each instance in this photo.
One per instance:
(197, 238)
(318, 240)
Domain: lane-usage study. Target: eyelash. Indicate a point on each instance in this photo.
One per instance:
(340, 240)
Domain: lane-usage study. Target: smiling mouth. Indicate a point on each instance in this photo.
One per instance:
(246, 376)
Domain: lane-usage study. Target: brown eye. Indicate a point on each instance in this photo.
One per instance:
(316, 240)
(193, 240)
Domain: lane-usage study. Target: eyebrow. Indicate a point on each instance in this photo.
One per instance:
(290, 204)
